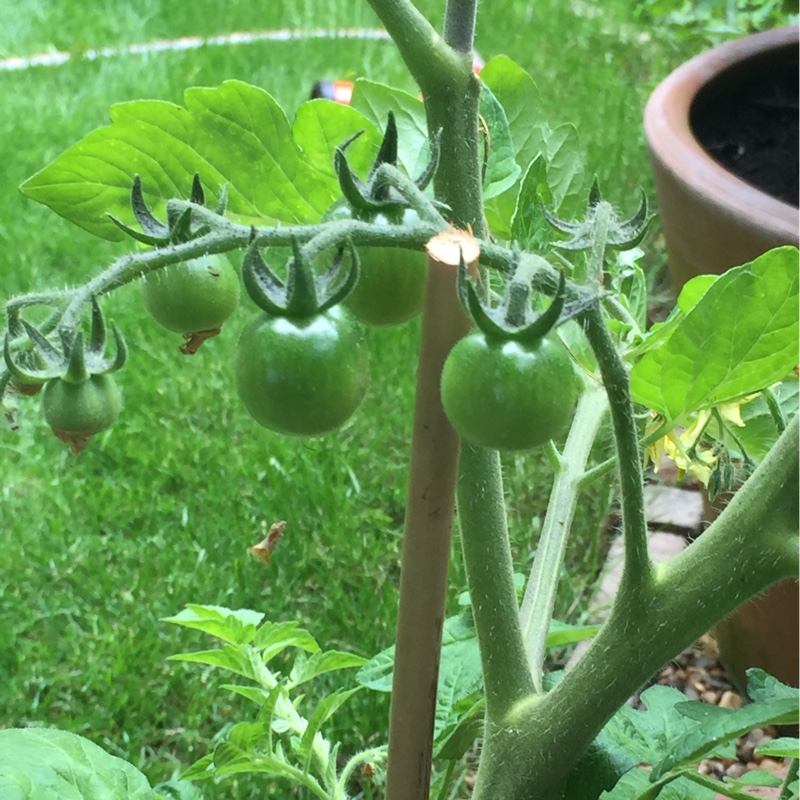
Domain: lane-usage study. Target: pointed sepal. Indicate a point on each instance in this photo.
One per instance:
(222, 201)
(265, 288)
(387, 152)
(150, 225)
(337, 283)
(97, 333)
(428, 173)
(180, 226)
(619, 234)
(76, 371)
(301, 288)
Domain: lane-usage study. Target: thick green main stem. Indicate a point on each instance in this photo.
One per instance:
(490, 577)
(751, 546)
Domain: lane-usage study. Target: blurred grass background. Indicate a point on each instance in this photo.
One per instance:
(160, 511)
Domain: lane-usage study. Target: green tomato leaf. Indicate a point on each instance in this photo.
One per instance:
(234, 659)
(322, 713)
(177, 790)
(376, 674)
(502, 169)
(234, 627)
(255, 694)
(375, 101)
(784, 747)
(561, 633)
(320, 126)
(716, 726)
(516, 92)
(645, 735)
(755, 777)
(305, 668)
(532, 137)
(565, 170)
(529, 228)
(234, 135)
(274, 637)
(48, 764)
(631, 785)
(693, 290)
(460, 675)
(636, 785)
(465, 725)
(202, 769)
(763, 687)
(759, 432)
(739, 337)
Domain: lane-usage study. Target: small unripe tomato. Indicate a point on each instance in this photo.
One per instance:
(192, 296)
(507, 395)
(391, 281)
(303, 377)
(77, 411)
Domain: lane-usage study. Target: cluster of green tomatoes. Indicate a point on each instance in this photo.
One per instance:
(301, 364)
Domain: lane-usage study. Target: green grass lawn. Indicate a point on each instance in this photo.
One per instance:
(160, 511)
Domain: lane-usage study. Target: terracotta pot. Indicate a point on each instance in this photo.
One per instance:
(713, 220)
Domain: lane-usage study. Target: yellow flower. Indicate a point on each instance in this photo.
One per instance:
(682, 447)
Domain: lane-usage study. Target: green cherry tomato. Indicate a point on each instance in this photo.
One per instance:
(77, 411)
(391, 283)
(193, 296)
(507, 395)
(303, 377)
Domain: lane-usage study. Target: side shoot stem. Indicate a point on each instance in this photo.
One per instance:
(638, 568)
(540, 593)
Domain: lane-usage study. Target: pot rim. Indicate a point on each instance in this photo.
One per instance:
(672, 142)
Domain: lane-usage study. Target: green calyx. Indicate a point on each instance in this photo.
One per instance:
(375, 195)
(75, 362)
(304, 293)
(179, 227)
(602, 220)
(513, 319)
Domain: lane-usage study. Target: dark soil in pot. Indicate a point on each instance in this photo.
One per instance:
(747, 119)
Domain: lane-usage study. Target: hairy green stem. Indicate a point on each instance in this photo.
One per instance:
(528, 756)
(540, 594)
(389, 175)
(778, 418)
(429, 60)
(490, 578)
(36, 299)
(364, 757)
(602, 221)
(791, 776)
(230, 236)
(629, 460)
(459, 24)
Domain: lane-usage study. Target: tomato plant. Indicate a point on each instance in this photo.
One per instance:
(192, 297)
(301, 368)
(302, 376)
(509, 395)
